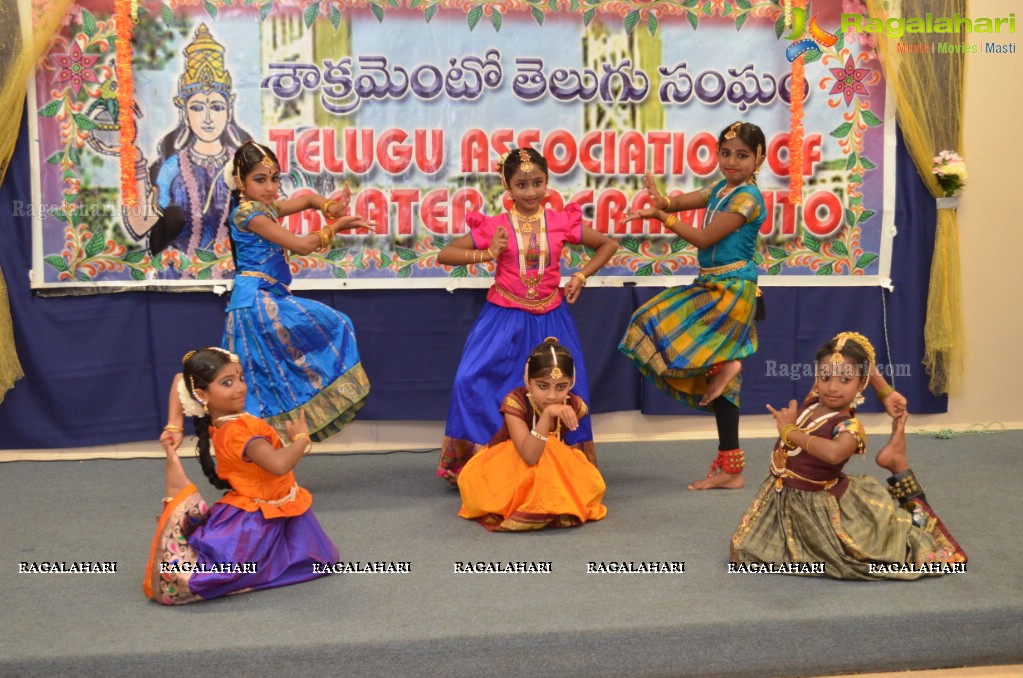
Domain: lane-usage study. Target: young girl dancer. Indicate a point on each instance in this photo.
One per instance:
(689, 340)
(809, 511)
(527, 478)
(262, 533)
(297, 354)
(523, 305)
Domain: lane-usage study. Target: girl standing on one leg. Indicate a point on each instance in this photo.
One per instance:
(809, 511)
(527, 478)
(297, 354)
(690, 340)
(262, 533)
(522, 307)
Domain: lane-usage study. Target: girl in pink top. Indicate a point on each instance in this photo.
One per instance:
(524, 305)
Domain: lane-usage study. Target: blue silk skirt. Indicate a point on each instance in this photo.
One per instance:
(493, 363)
(297, 353)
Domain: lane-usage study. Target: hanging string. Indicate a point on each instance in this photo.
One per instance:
(796, 120)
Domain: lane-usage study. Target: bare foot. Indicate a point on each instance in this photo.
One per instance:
(720, 481)
(451, 477)
(893, 455)
(175, 479)
(730, 370)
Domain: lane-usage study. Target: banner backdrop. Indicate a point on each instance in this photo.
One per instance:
(413, 101)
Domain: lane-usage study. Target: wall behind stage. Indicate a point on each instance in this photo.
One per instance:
(86, 387)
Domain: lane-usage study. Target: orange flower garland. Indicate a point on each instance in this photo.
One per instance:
(124, 10)
(796, 126)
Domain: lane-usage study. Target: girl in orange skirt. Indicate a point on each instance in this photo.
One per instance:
(527, 478)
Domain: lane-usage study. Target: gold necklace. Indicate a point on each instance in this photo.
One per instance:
(557, 426)
(722, 199)
(228, 417)
(530, 281)
(525, 223)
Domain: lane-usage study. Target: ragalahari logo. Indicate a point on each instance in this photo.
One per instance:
(802, 45)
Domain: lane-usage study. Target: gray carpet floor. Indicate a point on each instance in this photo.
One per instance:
(434, 622)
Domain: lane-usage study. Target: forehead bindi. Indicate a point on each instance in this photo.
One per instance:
(535, 175)
(735, 146)
(846, 368)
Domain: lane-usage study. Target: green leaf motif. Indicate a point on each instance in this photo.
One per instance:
(867, 163)
(645, 269)
(777, 252)
(631, 19)
(826, 269)
(740, 21)
(779, 27)
(95, 245)
(88, 23)
(430, 11)
(774, 270)
(758, 258)
(378, 12)
(865, 259)
(811, 56)
(50, 109)
(57, 262)
(264, 10)
(167, 15)
(842, 130)
(651, 24)
(310, 14)
(83, 122)
(460, 272)
(205, 274)
(74, 155)
(495, 20)
(839, 248)
(405, 272)
(631, 244)
(339, 272)
(677, 245)
(335, 17)
(812, 243)
(406, 253)
(537, 16)
(205, 256)
(211, 9)
(689, 4)
(588, 16)
(871, 119)
(694, 20)
(850, 162)
(135, 256)
(474, 16)
(850, 218)
(55, 158)
(136, 274)
(866, 214)
(743, 4)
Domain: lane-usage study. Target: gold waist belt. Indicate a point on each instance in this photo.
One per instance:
(534, 304)
(727, 268)
(264, 276)
(290, 496)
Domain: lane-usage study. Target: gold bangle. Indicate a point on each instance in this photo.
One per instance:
(492, 255)
(885, 391)
(809, 441)
(581, 276)
(467, 250)
(325, 235)
(786, 430)
(174, 429)
(325, 207)
(308, 442)
(671, 220)
(667, 202)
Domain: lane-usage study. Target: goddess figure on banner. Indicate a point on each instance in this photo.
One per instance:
(184, 188)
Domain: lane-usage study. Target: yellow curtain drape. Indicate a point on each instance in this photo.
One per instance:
(929, 107)
(19, 53)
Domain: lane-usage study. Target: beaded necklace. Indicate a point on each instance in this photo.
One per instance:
(523, 238)
(227, 417)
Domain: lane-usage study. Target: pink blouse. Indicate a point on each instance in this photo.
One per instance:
(510, 289)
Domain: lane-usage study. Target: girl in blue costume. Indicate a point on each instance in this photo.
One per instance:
(523, 305)
(689, 340)
(259, 535)
(296, 353)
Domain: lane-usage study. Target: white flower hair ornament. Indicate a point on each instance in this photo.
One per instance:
(191, 406)
(230, 180)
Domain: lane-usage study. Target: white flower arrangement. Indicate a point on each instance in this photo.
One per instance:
(191, 406)
(950, 171)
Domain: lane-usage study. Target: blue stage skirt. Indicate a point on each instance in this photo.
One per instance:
(284, 551)
(493, 363)
(678, 336)
(298, 353)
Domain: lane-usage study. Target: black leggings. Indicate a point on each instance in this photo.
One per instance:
(727, 417)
